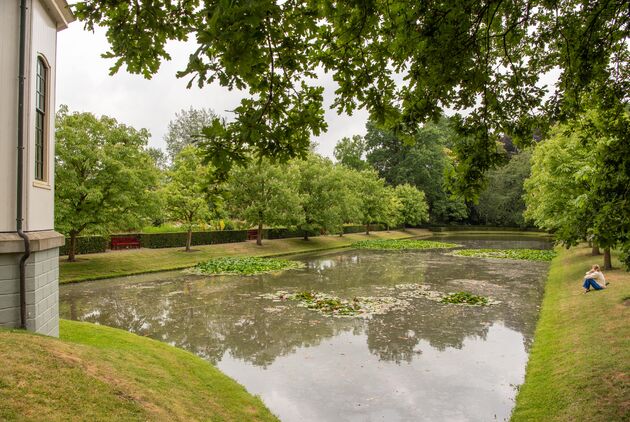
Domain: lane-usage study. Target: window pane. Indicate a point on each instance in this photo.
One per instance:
(40, 119)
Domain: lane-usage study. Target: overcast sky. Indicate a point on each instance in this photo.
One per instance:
(84, 84)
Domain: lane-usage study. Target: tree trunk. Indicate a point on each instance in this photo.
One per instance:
(305, 234)
(259, 234)
(367, 228)
(73, 246)
(387, 225)
(607, 259)
(189, 239)
(595, 251)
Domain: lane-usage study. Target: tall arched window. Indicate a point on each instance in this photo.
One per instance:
(41, 98)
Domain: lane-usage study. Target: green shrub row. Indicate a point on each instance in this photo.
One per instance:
(96, 244)
(86, 244)
(173, 240)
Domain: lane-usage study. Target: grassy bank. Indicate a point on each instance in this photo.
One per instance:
(138, 261)
(98, 373)
(579, 366)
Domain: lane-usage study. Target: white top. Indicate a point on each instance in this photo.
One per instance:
(597, 276)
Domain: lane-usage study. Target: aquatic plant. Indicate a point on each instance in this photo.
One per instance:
(465, 298)
(335, 306)
(402, 244)
(524, 254)
(243, 266)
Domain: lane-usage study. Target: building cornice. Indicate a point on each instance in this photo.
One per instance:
(60, 12)
(39, 241)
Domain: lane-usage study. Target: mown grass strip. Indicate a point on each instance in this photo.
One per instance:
(579, 364)
(387, 244)
(97, 373)
(523, 254)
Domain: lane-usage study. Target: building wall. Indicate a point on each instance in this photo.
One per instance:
(42, 267)
(42, 292)
(9, 42)
(40, 196)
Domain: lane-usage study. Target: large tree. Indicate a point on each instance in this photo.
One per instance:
(350, 152)
(414, 209)
(187, 128)
(423, 164)
(483, 59)
(104, 177)
(264, 193)
(375, 201)
(318, 185)
(571, 190)
(501, 203)
(191, 193)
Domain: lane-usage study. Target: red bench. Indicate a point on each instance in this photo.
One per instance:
(125, 242)
(252, 234)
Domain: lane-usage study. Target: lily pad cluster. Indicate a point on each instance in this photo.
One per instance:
(465, 298)
(523, 254)
(366, 307)
(244, 266)
(404, 244)
(335, 306)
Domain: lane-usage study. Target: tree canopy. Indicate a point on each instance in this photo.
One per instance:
(404, 62)
(104, 177)
(186, 128)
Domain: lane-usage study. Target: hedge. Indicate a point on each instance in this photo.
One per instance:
(483, 228)
(361, 228)
(284, 233)
(86, 244)
(173, 240)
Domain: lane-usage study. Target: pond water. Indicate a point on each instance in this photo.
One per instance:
(427, 361)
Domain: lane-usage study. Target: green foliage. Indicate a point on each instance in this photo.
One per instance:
(244, 266)
(187, 128)
(414, 209)
(191, 192)
(478, 58)
(350, 151)
(263, 193)
(319, 187)
(86, 244)
(578, 187)
(285, 233)
(105, 180)
(402, 244)
(465, 298)
(501, 203)
(174, 240)
(421, 162)
(524, 254)
(373, 195)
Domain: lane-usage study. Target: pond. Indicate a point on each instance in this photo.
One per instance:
(426, 361)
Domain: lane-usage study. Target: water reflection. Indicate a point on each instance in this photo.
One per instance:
(310, 367)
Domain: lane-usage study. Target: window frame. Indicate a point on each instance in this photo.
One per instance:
(41, 117)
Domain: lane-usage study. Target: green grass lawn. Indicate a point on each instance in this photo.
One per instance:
(137, 261)
(579, 366)
(97, 373)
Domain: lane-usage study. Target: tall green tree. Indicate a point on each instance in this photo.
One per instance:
(501, 203)
(104, 177)
(263, 193)
(571, 190)
(350, 152)
(483, 59)
(414, 210)
(191, 194)
(422, 164)
(187, 128)
(394, 208)
(318, 185)
(374, 199)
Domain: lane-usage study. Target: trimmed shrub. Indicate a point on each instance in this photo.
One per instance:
(284, 233)
(361, 229)
(86, 244)
(174, 240)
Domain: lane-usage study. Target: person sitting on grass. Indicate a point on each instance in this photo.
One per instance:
(594, 278)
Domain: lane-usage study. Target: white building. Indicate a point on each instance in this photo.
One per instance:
(28, 45)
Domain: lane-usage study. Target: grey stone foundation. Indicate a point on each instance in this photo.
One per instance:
(42, 286)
